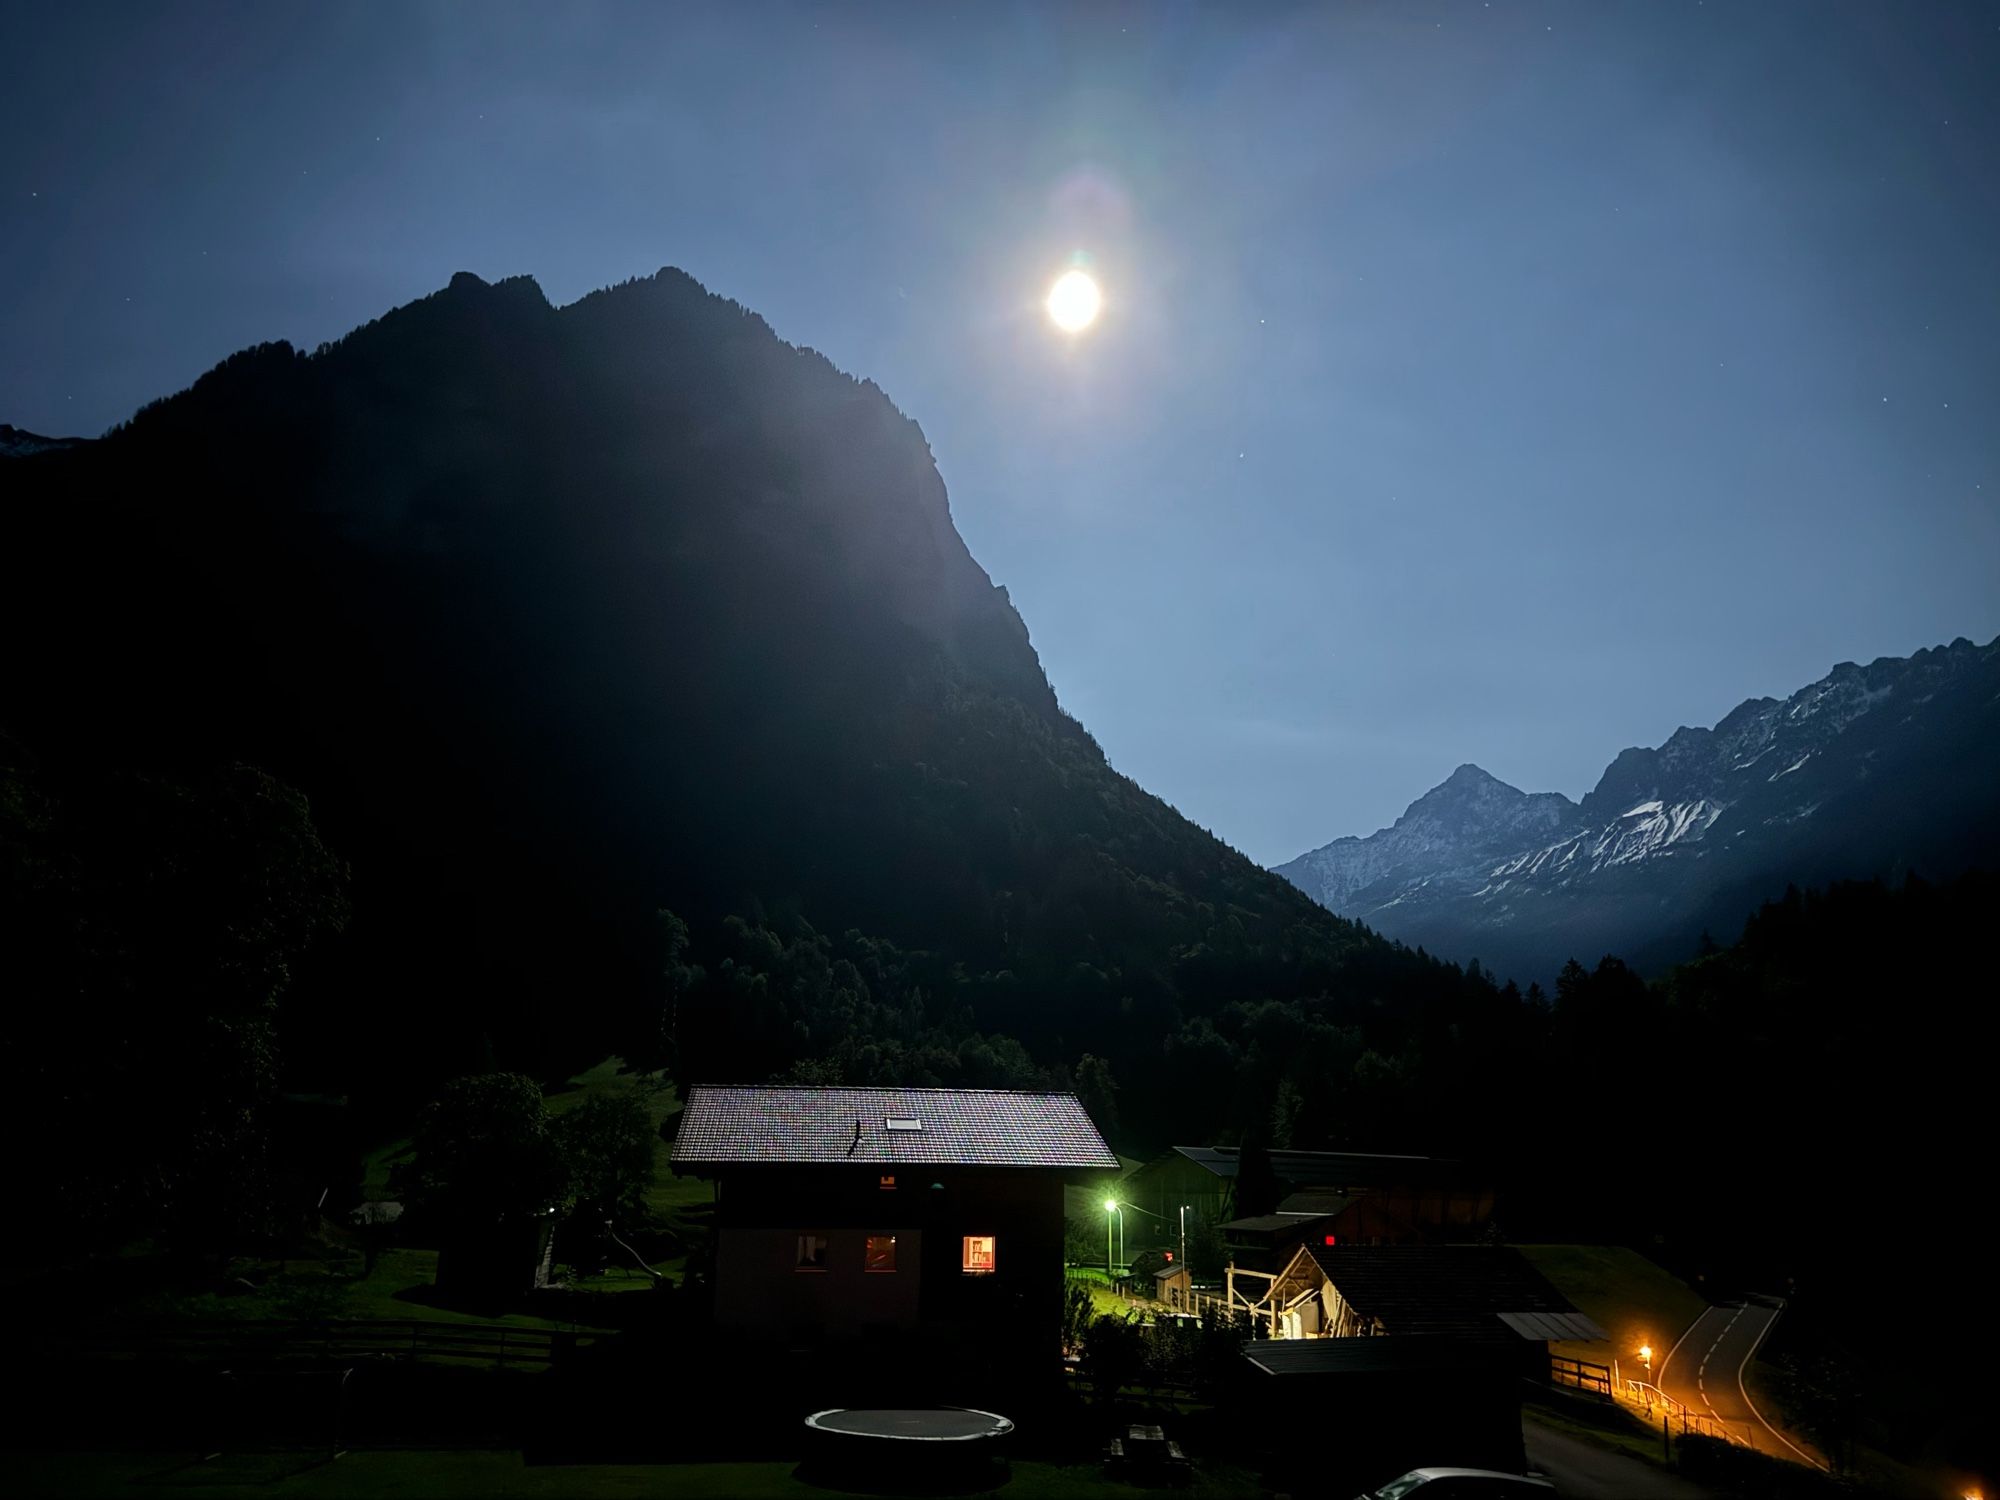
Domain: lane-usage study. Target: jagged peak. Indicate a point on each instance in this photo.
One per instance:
(1468, 786)
(1471, 775)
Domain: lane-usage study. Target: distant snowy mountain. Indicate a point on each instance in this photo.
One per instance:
(16, 442)
(1875, 770)
(1467, 822)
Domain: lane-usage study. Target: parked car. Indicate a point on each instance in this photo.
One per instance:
(1463, 1484)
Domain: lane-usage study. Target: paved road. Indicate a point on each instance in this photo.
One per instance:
(1583, 1471)
(1704, 1372)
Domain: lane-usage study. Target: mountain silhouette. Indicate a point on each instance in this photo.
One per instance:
(563, 615)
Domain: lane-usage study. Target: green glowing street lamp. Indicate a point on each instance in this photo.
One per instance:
(1113, 1206)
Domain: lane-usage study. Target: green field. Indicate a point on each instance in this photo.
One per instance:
(1103, 1300)
(1625, 1294)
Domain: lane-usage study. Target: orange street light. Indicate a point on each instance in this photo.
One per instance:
(1646, 1355)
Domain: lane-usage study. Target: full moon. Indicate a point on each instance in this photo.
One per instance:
(1074, 301)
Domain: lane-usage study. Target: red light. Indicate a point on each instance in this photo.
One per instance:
(1170, 1255)
(1329, 1239)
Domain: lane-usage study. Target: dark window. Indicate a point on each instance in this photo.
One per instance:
(812, 1253)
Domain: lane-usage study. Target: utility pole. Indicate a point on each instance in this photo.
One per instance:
(1184, 1238)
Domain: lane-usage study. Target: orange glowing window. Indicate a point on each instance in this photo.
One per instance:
(881, 1254)
(888, 1182)
(979, 1256)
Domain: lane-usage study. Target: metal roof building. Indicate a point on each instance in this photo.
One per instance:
(781, 1125)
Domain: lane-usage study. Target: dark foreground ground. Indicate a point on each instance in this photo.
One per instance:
(505, 1475)
(1583, 1469)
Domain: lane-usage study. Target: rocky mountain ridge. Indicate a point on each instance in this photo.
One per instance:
(1867, 771)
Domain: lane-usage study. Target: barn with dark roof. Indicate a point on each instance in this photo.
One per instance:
(866, 1215)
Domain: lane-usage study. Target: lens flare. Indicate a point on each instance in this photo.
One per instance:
(1074, 301)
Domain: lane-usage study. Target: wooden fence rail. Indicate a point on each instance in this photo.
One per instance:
(274, 1341)
(1582, 1375)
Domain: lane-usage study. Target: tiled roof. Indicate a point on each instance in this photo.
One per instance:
(954, 1127)
(1437, 1288)
(1339, 1170)
(1274, 1223)
(1368, 1356)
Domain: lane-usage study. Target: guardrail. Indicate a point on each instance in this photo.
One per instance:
(1652, 1403)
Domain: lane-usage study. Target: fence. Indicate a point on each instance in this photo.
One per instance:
(1655, 1405)
(1582, 1375)
(281, 1342)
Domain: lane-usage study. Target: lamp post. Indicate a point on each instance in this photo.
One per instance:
(1112, 1206)
(1184, 1236)
(1646, 1358)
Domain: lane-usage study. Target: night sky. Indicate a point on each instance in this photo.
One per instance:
(1505, 382)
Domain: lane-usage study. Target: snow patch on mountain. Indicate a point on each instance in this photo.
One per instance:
(1476, 852)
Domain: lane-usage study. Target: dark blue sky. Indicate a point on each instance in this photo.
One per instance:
(1505, 382)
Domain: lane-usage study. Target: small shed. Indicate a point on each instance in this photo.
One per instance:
(1173, 1286)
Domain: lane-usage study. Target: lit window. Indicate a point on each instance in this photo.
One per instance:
(812, 1253)
(888, 1182)
(881, 1252)
(978, 1258)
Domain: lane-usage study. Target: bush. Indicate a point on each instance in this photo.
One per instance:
(1114, 1356)
(1750, 1475)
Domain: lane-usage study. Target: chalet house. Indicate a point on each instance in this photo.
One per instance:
(1366, 1199)
(890, 1217)
(1470, 1293)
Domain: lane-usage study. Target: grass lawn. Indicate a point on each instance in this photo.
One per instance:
(1606, 1426)
(1625, 1294)
(401, 1288)
(504, 1475)
(1103, 1300)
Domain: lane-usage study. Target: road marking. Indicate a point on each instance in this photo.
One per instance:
(1662, 1376)
(1744, 1390)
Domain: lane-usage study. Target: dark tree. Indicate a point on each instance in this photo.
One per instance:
(150, 929)
(487, 1153)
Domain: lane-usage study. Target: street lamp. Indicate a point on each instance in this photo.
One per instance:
(1113, 1206)
(1646, 1358)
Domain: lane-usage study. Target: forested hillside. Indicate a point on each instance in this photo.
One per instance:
(559, 617)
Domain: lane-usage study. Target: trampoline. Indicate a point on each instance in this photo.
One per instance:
(890, 1429)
